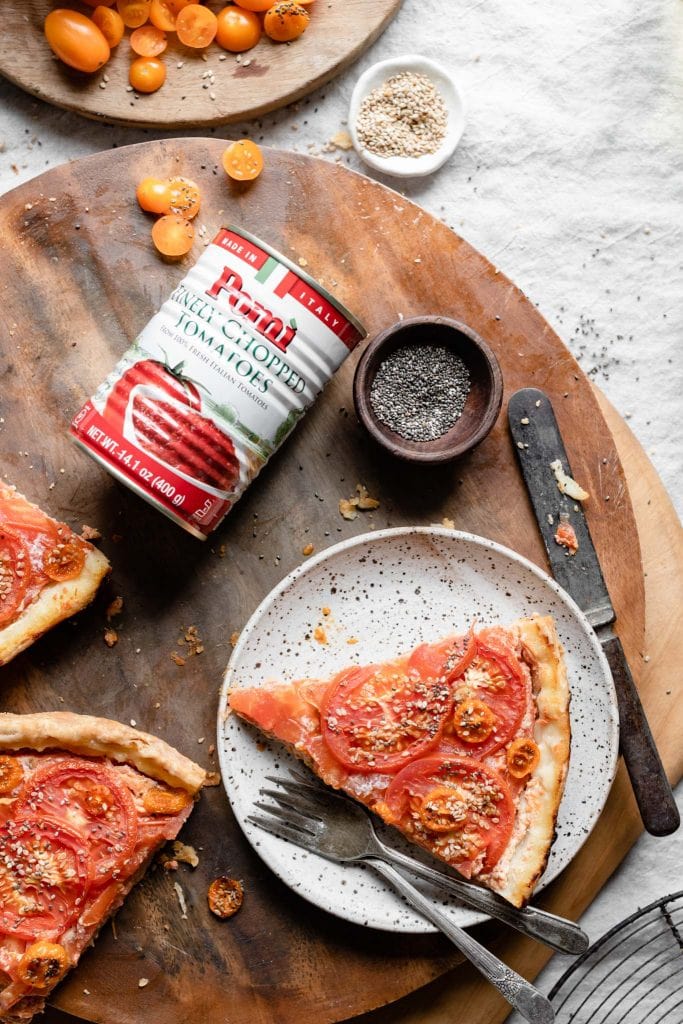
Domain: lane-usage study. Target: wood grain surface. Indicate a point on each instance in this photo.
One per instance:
(265, 78)
(80, 280)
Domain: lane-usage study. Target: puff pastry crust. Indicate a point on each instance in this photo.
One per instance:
(92, 736)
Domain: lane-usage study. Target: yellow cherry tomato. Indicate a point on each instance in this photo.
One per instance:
(173, 237)
(110, 24)
(147, 74)
(285, 21)
(148, 41)
(184, 197)
(154, 195)
(76, 40)
(163, 15)
(196, 26)
(243, 160)
(254, 5)
(238, 30)
(134, 12)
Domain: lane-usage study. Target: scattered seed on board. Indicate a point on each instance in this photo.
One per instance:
(419, 391)
(405, 116)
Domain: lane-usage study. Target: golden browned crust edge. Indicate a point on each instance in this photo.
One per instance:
(56, 602)
(89, 735)
(543, 651)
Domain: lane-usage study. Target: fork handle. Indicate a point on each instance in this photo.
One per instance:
(518, 992)
(554, 931)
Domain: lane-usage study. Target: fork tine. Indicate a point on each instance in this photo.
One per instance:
(290, 816)
(316, 796)
(281, 830)
(298, 801)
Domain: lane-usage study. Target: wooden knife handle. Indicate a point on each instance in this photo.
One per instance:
(651, 787)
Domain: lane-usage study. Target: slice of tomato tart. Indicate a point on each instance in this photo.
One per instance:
(462, 745)
(47, 572)
(85, 803)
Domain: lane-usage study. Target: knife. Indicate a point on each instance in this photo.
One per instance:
(538, 442)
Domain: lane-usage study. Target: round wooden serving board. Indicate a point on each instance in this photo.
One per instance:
(265, 78)
(80, 279)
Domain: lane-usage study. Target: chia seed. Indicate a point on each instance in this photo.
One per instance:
(419, 391)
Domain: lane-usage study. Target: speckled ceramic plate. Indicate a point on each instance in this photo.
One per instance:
(391, 590)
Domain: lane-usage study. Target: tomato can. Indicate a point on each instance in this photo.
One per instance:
(216, 380)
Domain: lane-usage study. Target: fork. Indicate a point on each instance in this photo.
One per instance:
(342, 836)
(336, 819)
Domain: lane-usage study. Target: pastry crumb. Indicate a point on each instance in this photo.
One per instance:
(320, 635)
(114, 608)
(177, 659)
(143, 982)
(185, 854)
(448, 523)
(307, 550)
(111, 637)
(90, 533)
(234, 637)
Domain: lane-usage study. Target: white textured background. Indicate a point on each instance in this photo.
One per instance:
(569, 177)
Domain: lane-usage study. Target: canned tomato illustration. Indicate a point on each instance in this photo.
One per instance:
(216, 380)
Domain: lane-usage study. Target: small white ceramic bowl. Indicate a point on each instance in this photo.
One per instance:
(410, 166)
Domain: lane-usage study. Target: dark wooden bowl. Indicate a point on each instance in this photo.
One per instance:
(482, 405)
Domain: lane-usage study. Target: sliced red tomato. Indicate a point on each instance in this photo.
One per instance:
(15, 573)
(45, 873)
(455, 806)
(169, 380)
(448, 658)
(495, 678)
(90, 799)
(381, 717)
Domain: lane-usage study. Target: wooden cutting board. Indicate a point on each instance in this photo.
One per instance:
(265, 78)
(80, 280)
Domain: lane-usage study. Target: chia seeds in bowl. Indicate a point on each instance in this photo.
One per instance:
(428, 389)
(420, 390)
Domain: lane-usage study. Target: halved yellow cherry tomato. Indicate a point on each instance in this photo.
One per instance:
(441, 809)
(173, 237)
(148, 41)
(11, 773)
(254, 5)
(160, 799)
(225, 896)
(184, 198)
(147, 74)
(154, 195)
(522, 757)
(243, 160)
(43, 964)
(76, 40)
(238, 30)
(196, 26)
(163, 15)
(473, 720)
(134, 12)
(64, 561)
(285, 21)
(110, 24)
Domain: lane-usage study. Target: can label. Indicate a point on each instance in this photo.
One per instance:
(217, 380)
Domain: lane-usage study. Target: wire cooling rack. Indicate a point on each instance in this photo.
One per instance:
(632, 975)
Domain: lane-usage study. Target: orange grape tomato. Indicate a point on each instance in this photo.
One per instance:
(238, 30)
(148, 41)
(285, 21)
(254, 5)
(76, 40)
(173, 235)
(196, 26)
(178, 5)
(134, 12)
(154, 195)
(163, 14)
(184, 197)
(147, 74)
(110, 24)
(243, 160)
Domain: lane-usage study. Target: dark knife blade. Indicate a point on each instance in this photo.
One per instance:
(538, 443)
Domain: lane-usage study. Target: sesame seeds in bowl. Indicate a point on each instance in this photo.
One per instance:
(406, 116)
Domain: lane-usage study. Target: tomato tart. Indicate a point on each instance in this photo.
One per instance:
(47, 572)
(85, 803)
(462, 745)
